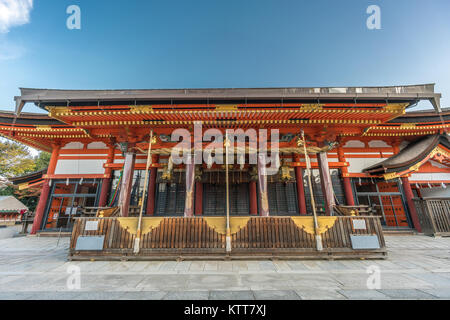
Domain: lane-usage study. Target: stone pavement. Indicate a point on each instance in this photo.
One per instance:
(418, 267)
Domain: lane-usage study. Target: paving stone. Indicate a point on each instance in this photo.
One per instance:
(442, 293)
(225, 266)
(166, 282)
(231, 295)
(313, 281)
(363, 294)
(72, 295)
(183, 266)
(318, 294)
(276, 295)
(211, 281)
(143, 295)
(168, 266)
(197, 266)
(282, 266)
(387, 281)
(98, 295)
(267, 266)
(239, 266)
(297, 265)
(406, 294)
(417, 267)
(15, 295)
(211, 266)
(434, 279)
(187, 295)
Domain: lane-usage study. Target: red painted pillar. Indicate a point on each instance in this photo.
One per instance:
(40, 209)
(348, 191)
(253, 198)
(409, 200)
(42, 204)
(127, 182)
(106, 185)
(300, 188)
(325, 182)
(106, 182)
(152, 187)
(346, 180)
(198, 198)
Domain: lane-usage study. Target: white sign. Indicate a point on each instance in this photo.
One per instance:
(359, 224)
(71, 210)
(91, 226)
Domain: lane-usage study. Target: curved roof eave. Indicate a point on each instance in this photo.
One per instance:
(410, 93)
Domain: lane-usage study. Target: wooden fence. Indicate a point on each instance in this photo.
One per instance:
(434, 216)
(202, 238)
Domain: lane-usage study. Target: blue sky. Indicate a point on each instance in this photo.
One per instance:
(233, 43)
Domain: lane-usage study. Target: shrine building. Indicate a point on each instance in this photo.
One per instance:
(366, 150)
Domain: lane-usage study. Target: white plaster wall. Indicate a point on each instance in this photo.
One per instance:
(80, 167)
(378, 144)
(73, 145)
(97, 145)
(357, 165)
(354, 144)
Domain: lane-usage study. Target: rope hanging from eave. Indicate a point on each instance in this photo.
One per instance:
(248, 150)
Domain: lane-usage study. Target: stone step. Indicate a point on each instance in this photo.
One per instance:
(399, 232)
(54, 234)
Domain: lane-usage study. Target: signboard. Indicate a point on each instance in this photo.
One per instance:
(71, 211)
(359, 224)
(91, 226)
(90, 243)
(364, 242)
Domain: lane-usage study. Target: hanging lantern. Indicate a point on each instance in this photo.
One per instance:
(167, 171)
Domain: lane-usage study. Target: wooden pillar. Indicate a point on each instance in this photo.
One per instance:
(346, 179)
(150, 210)
(190, 186)
(409, 200)
(262, 186)
(40, 209)
(300, 187)
(42, 204)
(106, 182)
(253, 198)
(325, 181)
(127, 181)
(198, 198)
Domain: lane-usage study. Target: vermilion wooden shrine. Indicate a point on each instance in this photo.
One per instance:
(366, 151)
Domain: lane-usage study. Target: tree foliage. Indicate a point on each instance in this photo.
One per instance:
(15, 159)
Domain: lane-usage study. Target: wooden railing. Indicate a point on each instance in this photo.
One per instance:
(434, 215)
(253, 237)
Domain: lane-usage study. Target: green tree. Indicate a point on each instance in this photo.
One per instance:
(15, 159)
(42, 160)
